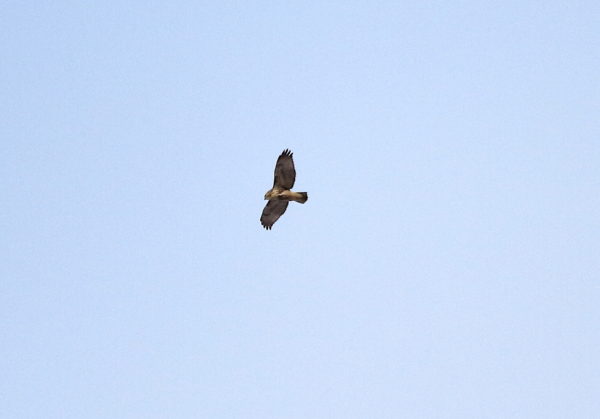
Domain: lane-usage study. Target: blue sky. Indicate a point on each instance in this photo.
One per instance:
(446, 263)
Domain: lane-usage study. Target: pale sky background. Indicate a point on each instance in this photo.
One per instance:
(446, 264)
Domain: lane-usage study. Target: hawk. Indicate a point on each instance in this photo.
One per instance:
(280, 194)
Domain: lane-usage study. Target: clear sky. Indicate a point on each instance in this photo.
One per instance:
(446, 264)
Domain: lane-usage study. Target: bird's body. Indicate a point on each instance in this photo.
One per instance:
(281, 194)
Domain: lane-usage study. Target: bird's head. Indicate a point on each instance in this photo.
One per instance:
(269, 194)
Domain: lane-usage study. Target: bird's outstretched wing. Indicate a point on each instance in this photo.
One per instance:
(285, 173)
(273, 210)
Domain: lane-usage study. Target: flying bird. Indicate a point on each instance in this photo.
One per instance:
(280, 194)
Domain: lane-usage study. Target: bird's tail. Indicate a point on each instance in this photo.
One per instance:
(302, 197)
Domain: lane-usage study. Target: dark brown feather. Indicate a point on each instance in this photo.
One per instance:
(273, 210)
(285, 173)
